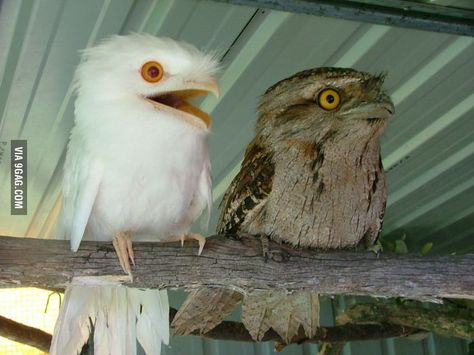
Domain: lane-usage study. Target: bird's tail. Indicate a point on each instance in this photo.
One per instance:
(285, 313)
(119, 315)
(204, 309)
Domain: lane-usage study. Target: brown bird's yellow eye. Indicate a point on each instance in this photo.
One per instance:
(152, 71)
(329, 99)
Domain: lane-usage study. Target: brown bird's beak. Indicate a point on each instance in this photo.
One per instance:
(178, 100)
(377, 111)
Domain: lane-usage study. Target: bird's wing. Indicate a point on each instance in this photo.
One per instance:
(201, 203)
(204, 194)
(82, 178)
(248, 191)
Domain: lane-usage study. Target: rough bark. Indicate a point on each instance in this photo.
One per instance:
(238, 264)
(449, 319)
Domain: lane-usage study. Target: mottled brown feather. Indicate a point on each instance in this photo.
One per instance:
(204, 309)
(248, 189)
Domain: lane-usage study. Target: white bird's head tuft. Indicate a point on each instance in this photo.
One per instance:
(159, 71)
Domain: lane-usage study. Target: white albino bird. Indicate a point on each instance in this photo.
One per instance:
(137, 167)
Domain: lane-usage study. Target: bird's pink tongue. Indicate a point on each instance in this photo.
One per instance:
(178, 101)
(170, 100)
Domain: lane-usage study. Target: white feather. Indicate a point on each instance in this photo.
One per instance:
(120, 316)
(133, 168)
(205, 193)
(70, 336)
(153, 319)
(84, 199)
(80, 186)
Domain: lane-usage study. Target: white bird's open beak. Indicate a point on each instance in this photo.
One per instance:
(209, 86)
(177, 101)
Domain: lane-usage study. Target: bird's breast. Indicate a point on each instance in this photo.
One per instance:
(324, 203)
(148, 184)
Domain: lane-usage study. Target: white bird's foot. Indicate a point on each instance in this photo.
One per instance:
(123, 246)
(201, 240)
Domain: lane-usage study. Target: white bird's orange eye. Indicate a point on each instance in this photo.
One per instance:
(152, 71)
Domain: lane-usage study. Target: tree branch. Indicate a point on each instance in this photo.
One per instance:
(24, 334)
(238, 264)
(227, 330)
(449, 320)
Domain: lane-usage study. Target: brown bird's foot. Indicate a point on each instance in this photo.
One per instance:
(123, 246)
(377, 248)
(265, 242)
(277, 255)
(235, 236)
(194, 236)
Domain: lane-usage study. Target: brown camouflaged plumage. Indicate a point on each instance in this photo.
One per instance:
(312, 178)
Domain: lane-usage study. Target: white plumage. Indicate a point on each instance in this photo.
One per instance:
(137, 165)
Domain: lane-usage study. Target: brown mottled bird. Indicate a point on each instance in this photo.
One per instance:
(312, 177)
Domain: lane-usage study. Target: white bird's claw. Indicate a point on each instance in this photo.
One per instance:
(201, 240)
(123, 247)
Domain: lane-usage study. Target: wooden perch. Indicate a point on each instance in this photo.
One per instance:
(24, 334)
(448, 320)
(238, 264)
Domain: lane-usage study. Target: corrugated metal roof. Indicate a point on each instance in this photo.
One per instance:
(428, 150)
